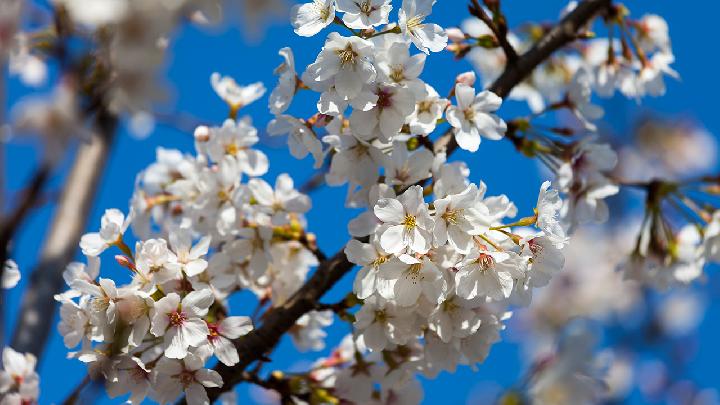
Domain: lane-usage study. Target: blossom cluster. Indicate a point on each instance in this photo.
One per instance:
(208, 226)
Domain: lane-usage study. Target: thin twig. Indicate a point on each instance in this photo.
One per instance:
(499, 33)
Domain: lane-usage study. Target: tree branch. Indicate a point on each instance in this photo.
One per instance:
(560, 35)
(500, 33)
(68, 225)
(277, 321)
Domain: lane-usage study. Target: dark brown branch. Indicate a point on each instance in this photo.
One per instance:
(500, 32)
(560, 35)
(277, 321)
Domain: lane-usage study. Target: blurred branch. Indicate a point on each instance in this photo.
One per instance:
(67, 227)
(498, 30)
(560, 35)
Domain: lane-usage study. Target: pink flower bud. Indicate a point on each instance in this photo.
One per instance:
(467, 78)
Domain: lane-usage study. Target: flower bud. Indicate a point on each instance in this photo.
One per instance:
(467, 78)
(202, 133)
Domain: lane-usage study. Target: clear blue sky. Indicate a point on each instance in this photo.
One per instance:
(196, 53)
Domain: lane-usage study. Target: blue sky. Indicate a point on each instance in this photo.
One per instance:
(196, 53)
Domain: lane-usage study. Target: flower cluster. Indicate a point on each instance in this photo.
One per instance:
(208, 226)
(19, 383)
(634, 63)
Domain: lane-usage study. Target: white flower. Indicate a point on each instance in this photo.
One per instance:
(394, 105)
(549, 205)
(354, 159)
(173, 377)
(221, 335)
(405, 168)
(301, 139)
(282, 201)
(396, 66)
(18, 377)
(132, 376)
(653, 33)
(362, 14)
(233, 94)
(409, 278)
(650, 78)
(409, 220)
(472, 117)
(372, 258)
(310, 18)
(11, 274)
(346, 63)
(184, 256)
(381, 322)
(427, 37)
(453, 318)
(151, 259)
(579, 95)
(308, 332)
(283, 94)
(547, 260)
(486, 273)
(236, 139)
(457, 217)
(180, 323)
(428, 110)
(112, 226)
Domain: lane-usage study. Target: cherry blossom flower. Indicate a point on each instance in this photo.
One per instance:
(409, 220)
(112, 226)
(346, 62)
(549, 205)
(427, 37)
(174, 377)
(487, 273)
(409, 278)
(179, 322)
(18, 378)
(233, 94)
(219, 340)
(362, 14)
(473, 118)
(310, 18)
(282, 95)
(458, 217)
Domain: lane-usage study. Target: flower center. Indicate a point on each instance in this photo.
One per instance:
(469, 114)
(485, 261)
(324, 12)
(451, 216)
(424, 106)
(186, 378)
(397, 74)
(413, 272)
(409, 222)
(177, 318)
(415, 22)
(347, 55)
(232, 149)
(379, 261)
(384, 99)
(366, 8)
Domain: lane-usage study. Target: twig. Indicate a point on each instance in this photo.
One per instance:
(500, 32)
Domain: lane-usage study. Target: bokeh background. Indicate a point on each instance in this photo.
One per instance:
(689, 357)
